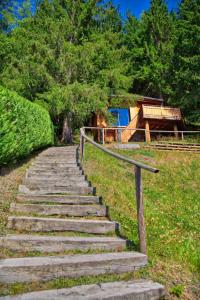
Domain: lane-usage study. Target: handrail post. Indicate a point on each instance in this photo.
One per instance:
(82, 147)
(102, 136)
(182, 135)
(140, 210)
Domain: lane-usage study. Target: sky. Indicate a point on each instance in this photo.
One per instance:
(135, 6)
(138, 6)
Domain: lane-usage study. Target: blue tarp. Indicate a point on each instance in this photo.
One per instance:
(122, 116)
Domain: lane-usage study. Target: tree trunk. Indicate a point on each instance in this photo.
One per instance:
(67, 131)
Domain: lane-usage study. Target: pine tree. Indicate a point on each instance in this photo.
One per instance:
(185, 76)
(150, 42)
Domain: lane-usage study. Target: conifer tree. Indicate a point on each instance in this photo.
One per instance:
(185, 76)
(150, 42)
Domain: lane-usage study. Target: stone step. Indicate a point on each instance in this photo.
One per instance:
(58, 150)
(26, 243)
(60, 169)
(53, 178)
(120, 290)
(63, 155)
(55, 161)
(58, 154)
(62, 148)
(55, 165)
(52, 172)
(32, 269)
(63, 199)
(38, 184)
(65, 210)
(74, 190)
(36, 224)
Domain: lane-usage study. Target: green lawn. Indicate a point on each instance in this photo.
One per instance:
(172, 211)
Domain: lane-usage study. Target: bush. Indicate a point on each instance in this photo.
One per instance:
(24, 126)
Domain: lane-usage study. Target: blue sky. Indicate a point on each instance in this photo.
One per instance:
(137, 6)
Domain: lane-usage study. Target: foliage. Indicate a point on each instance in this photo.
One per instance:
(24, 126)
(185, 78)
(67, 58)
(177, 290)
(68, 46)
(150, 44)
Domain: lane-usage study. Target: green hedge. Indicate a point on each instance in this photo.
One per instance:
(24, 126)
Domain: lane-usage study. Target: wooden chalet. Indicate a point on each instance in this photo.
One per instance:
(148, 113)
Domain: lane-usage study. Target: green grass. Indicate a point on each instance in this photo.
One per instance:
(172, 207)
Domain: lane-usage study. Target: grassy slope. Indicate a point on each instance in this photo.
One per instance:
(172, 232)
(172, 211)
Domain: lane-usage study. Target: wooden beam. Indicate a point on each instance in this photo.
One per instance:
(147, 132)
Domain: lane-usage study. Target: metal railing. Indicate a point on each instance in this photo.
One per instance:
(138, 182)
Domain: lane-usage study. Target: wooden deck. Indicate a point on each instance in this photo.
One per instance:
(161, 113)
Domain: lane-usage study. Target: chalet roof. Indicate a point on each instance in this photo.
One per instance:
(152, 100)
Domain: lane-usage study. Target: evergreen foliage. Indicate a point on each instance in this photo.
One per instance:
(24, 126)
(150, 43)
(185, 69)
(71, 56)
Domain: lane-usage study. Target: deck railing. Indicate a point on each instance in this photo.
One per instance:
(138, 183)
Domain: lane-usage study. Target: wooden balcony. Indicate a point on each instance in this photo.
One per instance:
(161, 113)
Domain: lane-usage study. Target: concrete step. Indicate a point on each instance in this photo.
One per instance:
(65, 210)
(30, 269)
(74, 190)
(35, 224)
(62, 199)
(122, 290)
(26, 243)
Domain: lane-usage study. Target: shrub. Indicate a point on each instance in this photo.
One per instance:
(24, 126)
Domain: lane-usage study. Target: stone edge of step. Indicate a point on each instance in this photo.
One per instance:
(72, 258)
(46, 224)
(68, 199)
(109, 291)
(60, 209)
(23, 189)
(20, 242)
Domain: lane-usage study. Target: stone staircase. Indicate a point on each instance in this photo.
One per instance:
(56, 211)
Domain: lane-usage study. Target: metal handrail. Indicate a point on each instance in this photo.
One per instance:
(138, 182)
